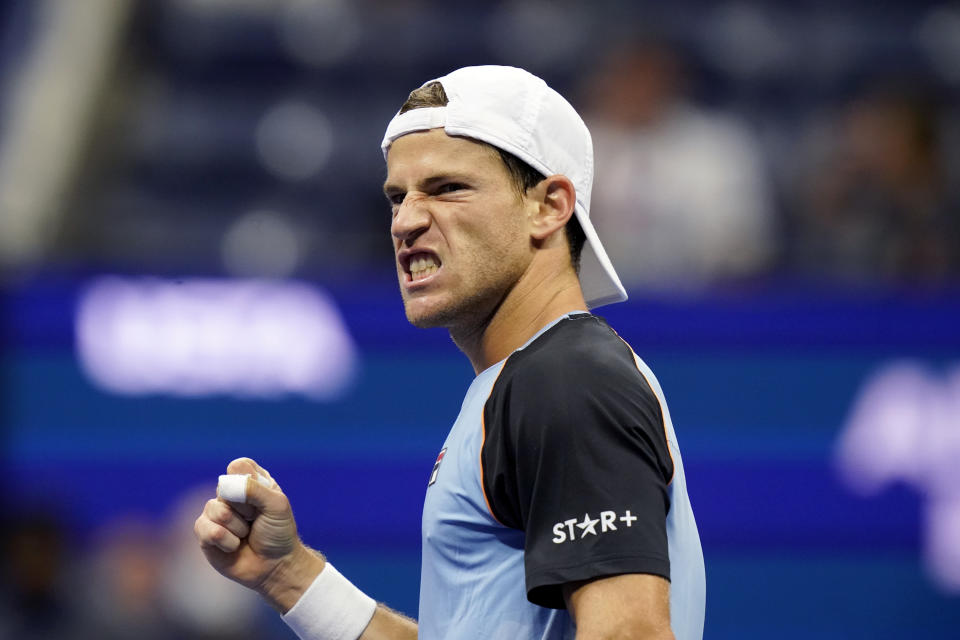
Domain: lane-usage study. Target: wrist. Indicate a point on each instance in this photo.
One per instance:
(332, 608)
(292, 576)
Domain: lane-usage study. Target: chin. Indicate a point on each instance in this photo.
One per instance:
(425, 318)
(434, 313)
(424, 323)
(431, 320)
(450, 310)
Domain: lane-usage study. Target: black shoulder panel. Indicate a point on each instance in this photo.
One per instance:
(575, 454)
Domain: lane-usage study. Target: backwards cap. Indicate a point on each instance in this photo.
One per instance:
(517, 112)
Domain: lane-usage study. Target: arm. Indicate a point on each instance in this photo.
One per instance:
(256, 545)
(283, 589)
(583, 468)
(390, 625)
(635, 606)
(285, 586)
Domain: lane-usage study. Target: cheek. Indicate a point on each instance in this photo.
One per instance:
(504, 249)
(493, 243)
(491, 235)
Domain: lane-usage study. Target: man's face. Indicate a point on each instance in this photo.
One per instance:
(459, 228)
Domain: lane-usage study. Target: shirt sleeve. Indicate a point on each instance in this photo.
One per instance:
(575, 454)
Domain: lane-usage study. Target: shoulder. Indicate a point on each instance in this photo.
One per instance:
(577, 381)
(574, 346)
(571, 397)
(578, 359)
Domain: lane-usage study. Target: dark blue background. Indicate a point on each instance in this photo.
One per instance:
(759, 387)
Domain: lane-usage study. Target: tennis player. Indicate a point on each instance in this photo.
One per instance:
(557, 507)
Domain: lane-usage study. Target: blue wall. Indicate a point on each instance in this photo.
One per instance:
(759, 388)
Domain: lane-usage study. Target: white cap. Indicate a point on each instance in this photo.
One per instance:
(517, 112)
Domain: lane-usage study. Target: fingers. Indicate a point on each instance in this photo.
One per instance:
(222, 514)
(249, 526)
(220, 527)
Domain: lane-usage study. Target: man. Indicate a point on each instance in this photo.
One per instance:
(558, 505)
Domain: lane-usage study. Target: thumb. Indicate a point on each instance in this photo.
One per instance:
(248, 465)
(265, 496)
(250, 488)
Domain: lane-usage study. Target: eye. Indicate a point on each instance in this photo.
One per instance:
(396, 199)
(450, 187)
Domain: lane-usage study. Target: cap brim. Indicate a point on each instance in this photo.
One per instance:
(598, 279)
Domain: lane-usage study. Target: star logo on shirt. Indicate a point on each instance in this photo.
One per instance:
(587, 526)
(609, 520)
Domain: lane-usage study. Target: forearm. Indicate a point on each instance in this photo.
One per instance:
(390, 625)
(286, 586)
(634, 606)
(287, 583)
(627, 634)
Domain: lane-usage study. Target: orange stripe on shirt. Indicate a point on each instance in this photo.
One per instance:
(663, 413)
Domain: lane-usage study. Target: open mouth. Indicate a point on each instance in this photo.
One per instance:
(422, 265)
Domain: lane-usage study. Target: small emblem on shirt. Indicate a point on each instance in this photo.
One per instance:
(436, 467)
(588, 526)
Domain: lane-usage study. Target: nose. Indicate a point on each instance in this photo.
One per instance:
(411, 219)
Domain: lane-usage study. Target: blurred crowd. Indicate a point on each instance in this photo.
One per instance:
(739, 145)
(761, 142)
(681, 193)
(687, 198)
(139, 576)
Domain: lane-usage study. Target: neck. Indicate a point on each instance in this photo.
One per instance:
(525, 310)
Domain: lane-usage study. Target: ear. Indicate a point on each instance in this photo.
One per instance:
(555, 198)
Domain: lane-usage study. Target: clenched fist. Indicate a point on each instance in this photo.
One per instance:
(256, 544)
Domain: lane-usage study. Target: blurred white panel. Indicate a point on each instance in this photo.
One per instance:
(943, 550)
(248, 338)
(882, 439)
(905, 426)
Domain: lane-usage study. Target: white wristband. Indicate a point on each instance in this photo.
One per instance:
(331, 609)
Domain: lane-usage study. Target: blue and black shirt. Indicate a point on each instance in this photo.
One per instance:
(562, 466)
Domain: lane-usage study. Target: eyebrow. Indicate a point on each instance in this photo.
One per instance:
(426, 184)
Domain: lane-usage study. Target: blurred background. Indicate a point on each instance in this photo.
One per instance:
(196, 266)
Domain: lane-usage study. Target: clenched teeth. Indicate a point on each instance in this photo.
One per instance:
(422, 267)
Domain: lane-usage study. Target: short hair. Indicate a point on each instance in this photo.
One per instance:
(521, 174)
